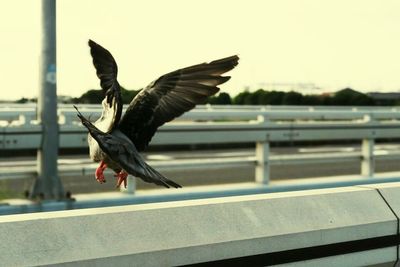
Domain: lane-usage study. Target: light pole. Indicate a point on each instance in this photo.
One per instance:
(48, 184)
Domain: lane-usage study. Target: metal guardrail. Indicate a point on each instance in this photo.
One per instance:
(20, 114)
(222, 124)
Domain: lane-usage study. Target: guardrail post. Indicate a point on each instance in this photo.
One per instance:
(131, 186)
(367, 153)
(262, 155)
(262, 167)
(368, 161)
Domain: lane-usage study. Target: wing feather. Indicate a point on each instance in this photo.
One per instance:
(170, 96)
(107, 70)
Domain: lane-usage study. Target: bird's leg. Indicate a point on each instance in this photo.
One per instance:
(99, 172)
(122, 175)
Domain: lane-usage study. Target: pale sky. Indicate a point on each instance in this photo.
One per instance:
(333, 44)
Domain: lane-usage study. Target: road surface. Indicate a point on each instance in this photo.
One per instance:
(189, 177)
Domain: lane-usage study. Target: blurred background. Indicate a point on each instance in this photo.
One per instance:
(295, 55)
(307, 46)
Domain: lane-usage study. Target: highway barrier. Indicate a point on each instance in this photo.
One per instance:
(352, 226)
(220, 125)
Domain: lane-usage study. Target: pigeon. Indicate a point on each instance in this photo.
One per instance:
(116, 141)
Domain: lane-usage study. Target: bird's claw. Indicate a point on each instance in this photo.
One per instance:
(100, 173)
(101, 179)
(122, 176)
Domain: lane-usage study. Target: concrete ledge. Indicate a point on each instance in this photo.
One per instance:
(198, 231)
(391, 193)
(95, 200)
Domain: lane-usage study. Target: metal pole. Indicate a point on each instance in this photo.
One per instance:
(368, 160)
(262, 167)
(131, 187)
(48, 184)
(367, 153)
(262, 157)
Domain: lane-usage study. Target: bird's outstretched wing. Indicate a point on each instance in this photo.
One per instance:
(170, 96)
(125, 154)
(107, 70)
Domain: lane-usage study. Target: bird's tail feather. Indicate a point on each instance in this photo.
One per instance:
(161, 178)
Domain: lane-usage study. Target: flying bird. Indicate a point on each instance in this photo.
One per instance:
(115, 140)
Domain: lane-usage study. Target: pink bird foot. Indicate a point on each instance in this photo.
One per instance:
(122, 175)
(100, 172)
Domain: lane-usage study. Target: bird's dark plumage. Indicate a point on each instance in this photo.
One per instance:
(170, 96)
(117, 140)
(122, 150)
(107, 70)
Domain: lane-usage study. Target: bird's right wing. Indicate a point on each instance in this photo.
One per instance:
(107, 70)
(126, 155)
(170, 96)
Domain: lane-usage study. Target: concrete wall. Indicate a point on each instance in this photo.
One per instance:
(198, 231)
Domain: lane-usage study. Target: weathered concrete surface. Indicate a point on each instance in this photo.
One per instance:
(185, 232)
(391, 193)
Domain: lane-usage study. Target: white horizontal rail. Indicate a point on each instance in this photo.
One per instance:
(208, 133)
(232, 231)
(208, 106)
(25, 115)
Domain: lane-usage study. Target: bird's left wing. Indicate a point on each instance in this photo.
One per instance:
(107, 70)
(126, 155)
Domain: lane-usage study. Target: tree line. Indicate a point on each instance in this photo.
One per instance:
(344, 97)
